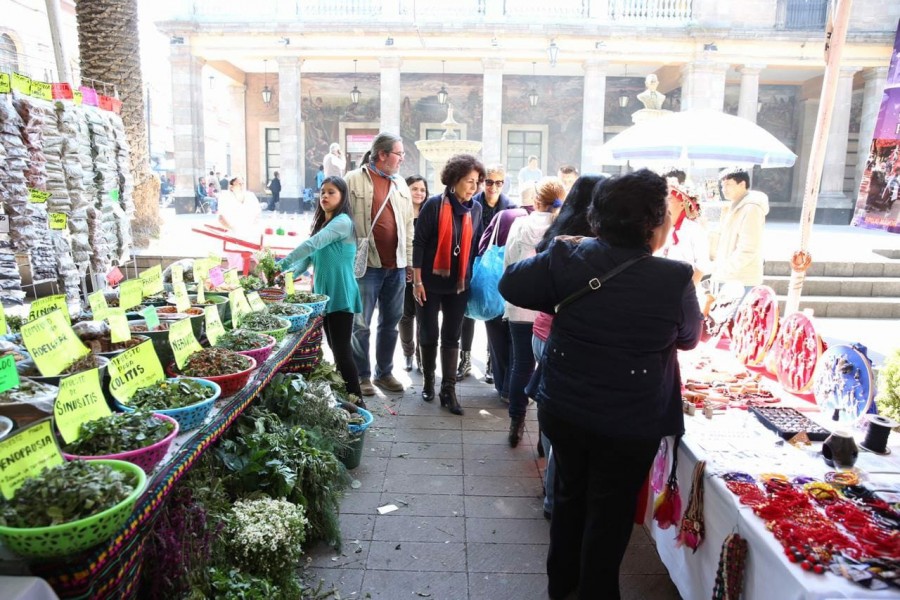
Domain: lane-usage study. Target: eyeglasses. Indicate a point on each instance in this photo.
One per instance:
(400, 154)
(490, 182)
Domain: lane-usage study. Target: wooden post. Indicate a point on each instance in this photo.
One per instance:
(836, 34)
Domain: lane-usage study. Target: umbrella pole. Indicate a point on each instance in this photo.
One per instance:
(835, 35)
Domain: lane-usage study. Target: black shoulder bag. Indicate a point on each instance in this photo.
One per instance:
(596, 282)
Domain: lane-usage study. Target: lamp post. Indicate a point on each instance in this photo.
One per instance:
(532, 94)
(266, 92)
(354, 93)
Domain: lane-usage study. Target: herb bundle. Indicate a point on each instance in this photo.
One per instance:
(68, 492)
(212, 362)
(84, 363)
(171, 394)
(119, 432)
(241, 339)
(262, 322)
(280, 308)
(251, 283)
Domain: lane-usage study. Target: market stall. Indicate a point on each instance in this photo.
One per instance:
(755, 496)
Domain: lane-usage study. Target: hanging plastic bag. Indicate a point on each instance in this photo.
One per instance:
(485, 301)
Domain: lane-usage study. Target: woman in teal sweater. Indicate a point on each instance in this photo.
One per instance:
(331, 249)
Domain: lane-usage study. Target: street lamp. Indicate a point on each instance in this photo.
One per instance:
(354, 93)
(442, 94)
(532, 94)
(553, 52)
(266, 92)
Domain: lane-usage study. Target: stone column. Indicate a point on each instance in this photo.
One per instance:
(291, 142)
(492, 111)
(831, 191)
(876, 79)
(748, 102)
(237, 94)
(390, 94)
(187, 123)
(807, 115)
(704, 85)
(593, 115)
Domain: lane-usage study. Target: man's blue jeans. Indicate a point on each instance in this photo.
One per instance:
(384, 288)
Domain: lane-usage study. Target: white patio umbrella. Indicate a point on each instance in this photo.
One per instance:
(697, 138)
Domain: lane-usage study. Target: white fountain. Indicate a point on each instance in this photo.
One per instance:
(438, 152)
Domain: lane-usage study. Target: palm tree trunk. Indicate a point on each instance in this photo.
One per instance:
(110, 52)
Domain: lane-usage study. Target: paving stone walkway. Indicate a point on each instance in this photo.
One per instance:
(469, 523)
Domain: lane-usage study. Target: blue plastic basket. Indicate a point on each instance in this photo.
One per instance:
(318, 308)
(298, 322)
(188, 417)
(356, 430)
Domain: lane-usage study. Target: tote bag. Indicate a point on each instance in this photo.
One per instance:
(485, 302)
(362, 244)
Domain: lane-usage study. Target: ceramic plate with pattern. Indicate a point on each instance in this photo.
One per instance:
(843, 383)
(755, 326)
(796, 351)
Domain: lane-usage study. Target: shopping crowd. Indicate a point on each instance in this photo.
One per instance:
(586, 290)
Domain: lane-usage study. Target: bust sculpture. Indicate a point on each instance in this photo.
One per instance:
(650, 98)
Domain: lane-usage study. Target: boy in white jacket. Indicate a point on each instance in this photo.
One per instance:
(739, 255)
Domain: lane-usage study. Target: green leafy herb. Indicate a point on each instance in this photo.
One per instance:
(266, 267)
(251, 282)
(171, 394)
(262, 322)
(68, 492)
(242, 339)
(82, 364)
(211, 362)
(303, 298)
(14, 323)
(279, 308)
(119, 432)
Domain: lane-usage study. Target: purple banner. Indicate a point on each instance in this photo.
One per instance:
(877, 205)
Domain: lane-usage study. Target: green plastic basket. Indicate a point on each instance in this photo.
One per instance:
(75, 536)
(279, 333)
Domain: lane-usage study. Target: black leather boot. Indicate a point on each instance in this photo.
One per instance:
(516, 431)
(465, 365)
(449, 357)
(429, 360)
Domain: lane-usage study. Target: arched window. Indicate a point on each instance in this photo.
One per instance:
(9, 56)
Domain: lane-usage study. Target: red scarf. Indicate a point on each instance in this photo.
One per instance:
(444, 256)
(678, 226)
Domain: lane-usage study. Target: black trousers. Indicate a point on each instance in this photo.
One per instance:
(338, 328)
(598, 480)
(407, 326)
(274, 200)
(452, 308)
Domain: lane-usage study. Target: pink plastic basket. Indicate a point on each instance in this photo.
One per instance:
(146, 458)
(261, 354)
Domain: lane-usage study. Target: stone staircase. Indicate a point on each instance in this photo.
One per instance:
(865, 290)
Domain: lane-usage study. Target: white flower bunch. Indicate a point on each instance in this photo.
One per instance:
(266, 534)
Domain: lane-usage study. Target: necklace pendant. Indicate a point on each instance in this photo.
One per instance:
(456, 251)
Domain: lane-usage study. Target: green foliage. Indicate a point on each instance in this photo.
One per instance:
(119, 432)
(266, 267)
(233, 584)
(888, 399)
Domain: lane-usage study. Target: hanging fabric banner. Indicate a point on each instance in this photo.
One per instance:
(877, 205)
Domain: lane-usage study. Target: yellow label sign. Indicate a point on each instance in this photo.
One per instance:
(201, 269)
(232, 277)
(130, 293)
(9, 375)
(44, 306)
(52, 343)
(22, 84)
(182, 340)
(99, 307)
(118, 325)
(152, 279)
(289, 283)
(214, 327)
(26, 454)
(77, 97)
(239, 306)
(136, 368)
(201, 292)
(80, 400)
(2, 320)
(42, 90)
(5, 86)
(182, 302)
(256, 303)
(37, 196)
(177, 274)
(59, 221)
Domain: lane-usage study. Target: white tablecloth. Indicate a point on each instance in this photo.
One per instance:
(768, 575)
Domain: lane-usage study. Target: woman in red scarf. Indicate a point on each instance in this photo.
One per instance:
(444, 248)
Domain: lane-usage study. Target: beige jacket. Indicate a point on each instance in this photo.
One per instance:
(359, 184)
(739, 255)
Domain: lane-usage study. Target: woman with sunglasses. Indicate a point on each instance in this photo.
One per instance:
(492, 200)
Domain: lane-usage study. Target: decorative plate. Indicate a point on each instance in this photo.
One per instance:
(843, 383)
(755, 326)
(796, 351)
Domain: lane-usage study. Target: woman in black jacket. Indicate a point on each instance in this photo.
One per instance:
(444, 247)
(610, 385)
